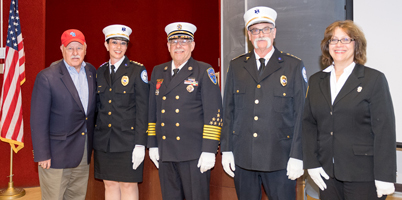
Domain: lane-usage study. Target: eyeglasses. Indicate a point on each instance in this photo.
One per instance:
(256, 31)
(182, 42)
(343, 41)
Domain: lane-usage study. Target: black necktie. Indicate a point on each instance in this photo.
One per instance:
(112, 73)
(262, 66)
(175, 72)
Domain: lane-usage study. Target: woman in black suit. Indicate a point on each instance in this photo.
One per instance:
(349, 122)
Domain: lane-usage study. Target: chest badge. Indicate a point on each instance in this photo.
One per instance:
(124, 80)
(190, 88)
(284, 80)
(359, 89)
(158, 85)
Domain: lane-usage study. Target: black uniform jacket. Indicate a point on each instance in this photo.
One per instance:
(263, 114)
(353, 139)
(122, 107)
(185, 111)
(59, 124)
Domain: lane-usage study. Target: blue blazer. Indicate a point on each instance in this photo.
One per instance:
(58, 120)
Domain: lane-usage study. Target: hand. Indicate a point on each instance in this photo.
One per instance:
(228, 163)
(138, 155)
(154, 156)
(45, 164)
(384, 188)
(316, 174)
(206, 161)
(294, 168)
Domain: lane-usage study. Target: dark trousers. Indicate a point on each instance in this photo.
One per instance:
(181, 180)
(342, 190)
(276, 185)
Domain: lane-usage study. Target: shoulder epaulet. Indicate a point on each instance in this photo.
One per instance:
(136, 63)
(239, 56)
(290, 55)
(103, 64)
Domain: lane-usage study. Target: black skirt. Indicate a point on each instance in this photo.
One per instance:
(116, 166)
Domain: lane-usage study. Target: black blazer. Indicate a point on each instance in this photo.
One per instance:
(185, 115)
(262, 117)
(122, 107)
(353, 139)
(58, 120)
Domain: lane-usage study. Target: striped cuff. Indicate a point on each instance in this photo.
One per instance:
(151, 129)
(211, 132)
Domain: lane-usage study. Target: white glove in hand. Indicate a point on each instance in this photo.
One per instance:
(206, 161)
(316, 174)
(228, 163)
(138, 155)
(154, 156)
(294, 168)
(384, 188)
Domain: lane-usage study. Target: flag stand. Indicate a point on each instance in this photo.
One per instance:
(11, 192)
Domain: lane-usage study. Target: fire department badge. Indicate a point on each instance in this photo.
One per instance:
(124, 80)
(284, 80)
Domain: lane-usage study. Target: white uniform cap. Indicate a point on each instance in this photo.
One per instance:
(259, 14)
(117, 30)
(180, 30)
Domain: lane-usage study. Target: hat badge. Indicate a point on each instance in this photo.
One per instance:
(123, 29)
(72, 34)
(256, 11)
(179, 26)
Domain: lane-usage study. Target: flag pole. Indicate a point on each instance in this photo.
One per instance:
(11, 192)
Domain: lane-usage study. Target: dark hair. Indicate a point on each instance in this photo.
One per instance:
(353, 32)
(118, 38)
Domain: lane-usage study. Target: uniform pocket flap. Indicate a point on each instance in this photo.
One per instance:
(128, 124)
(58, 136)
(363, 150)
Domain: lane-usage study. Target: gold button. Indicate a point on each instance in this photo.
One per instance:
(177, 110)
(164, 137)
(163, 111)
(288, 136)
(233, 131)
(258, 86)
(237, 91)
(284, 94)
(110, 101)
(218, 115)
(177, 124)
(164, 98)
(124, 92)
(255, 118)
(255, 135)
(219, 110)
(109, 113)
(82, 133)
(86, 118)
(177, 138)
(110, 89)
(132, 128)
(332, 133)
(98, 91)
(330, 113)
(177, 97)
(110, 125)
(162, 124)
(256, 101)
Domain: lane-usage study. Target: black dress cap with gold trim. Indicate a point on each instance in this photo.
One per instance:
(180, 30)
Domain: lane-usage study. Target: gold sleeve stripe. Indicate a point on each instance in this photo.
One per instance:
(211, 132)
(151, 129)
(212, 127)
(211, 138)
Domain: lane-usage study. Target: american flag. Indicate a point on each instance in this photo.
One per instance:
(11, 124)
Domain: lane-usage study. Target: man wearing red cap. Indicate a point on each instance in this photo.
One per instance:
(62, 121)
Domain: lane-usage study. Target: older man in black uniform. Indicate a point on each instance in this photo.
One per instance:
(263, 106)
(185, 118)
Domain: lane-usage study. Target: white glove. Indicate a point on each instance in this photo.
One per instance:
(206, 161)
(294, 168)
(138, 155)
(384, 188)
(154, 156)
(228, 163)
(316, 174)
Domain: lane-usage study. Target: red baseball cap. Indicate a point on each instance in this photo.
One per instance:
(72, 35)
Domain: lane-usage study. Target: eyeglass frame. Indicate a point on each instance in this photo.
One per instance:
(340, 40)
(180, 41)
(261, 30)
